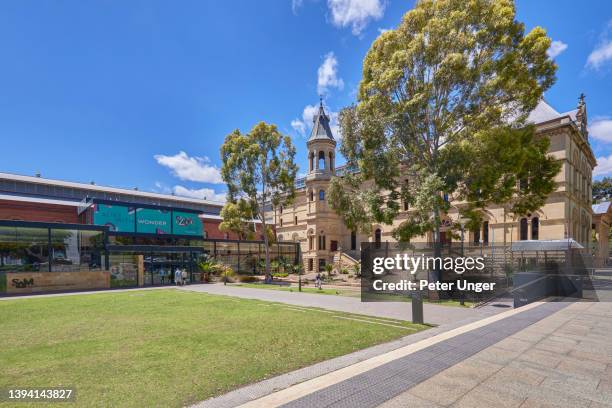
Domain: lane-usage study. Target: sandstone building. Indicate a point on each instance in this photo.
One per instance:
(567, 212)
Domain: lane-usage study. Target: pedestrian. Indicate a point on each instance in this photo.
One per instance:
(318, 280)
(184, 276)
(178, 277)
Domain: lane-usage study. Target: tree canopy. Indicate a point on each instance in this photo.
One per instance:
(441, 118)
(259, 170)
(602, 189)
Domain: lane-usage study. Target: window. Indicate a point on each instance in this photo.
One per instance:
(353, 240)
(321, 242)
(280, 209)
(321, 264)
(535, 228)
(333, 246)
(281, 222)
(477, 235)
(405, 205)
(321, 162)
(485, 232)
(295, 220)
(310, 264)
(311, 161)
(310, 243)
(523, 229)
(445, 197)
(311, 195)
(331, 161)
(321, 195)
(377, 237)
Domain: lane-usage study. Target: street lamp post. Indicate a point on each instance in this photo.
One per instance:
(462, 222)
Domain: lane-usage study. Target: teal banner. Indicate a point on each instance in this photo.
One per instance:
(118, 218)
(184, 223)
(152, 221)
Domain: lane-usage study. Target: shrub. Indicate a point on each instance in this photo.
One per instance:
(344, 271)
(280, 274)
(247, 278)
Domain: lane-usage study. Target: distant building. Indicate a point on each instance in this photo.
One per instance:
(566, 214)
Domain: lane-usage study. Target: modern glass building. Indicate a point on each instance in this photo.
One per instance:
(61, 236)
(38, 257)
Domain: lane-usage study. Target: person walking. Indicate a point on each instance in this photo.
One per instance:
(318, 281)
(178, 277)
(184, 276)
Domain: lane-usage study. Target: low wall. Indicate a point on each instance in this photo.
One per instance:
(38, 282)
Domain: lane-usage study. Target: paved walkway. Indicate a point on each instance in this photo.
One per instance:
(542, 355)
(433, 314)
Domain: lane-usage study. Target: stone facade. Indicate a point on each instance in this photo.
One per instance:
(567, 212)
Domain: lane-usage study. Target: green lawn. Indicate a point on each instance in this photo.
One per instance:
(167, 347)
(351, 293)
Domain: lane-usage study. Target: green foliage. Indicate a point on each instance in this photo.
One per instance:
(247, 278)
(237, 218)
(329, 268)
(259, 170)
(344, 271)
(442, 111)
(602, 189)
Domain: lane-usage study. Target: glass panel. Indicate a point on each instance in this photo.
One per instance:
(24, 249)
(124, 269)
(76, 250)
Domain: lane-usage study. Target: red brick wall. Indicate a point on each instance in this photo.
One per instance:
(25, 211)
(211, 226)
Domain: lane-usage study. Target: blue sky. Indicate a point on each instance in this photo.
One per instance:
(142, 93)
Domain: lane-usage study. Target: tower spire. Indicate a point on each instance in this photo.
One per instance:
(320, 128)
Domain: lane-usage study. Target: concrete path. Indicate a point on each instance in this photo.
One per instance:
(541, 355)
(433, 314)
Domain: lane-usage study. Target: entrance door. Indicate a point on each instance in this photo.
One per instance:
(161, 266)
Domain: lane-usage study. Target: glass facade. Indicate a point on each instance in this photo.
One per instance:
(50, 249)
(51, 257)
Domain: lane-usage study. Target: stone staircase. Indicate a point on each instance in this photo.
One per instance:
(344, 260)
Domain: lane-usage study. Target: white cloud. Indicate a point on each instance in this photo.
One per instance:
(556, 48)
(201, 193)
(384, 30)
(355, 13)
(600, 55)
(305, 124)
(604, 166)
(295, 5)
(327, 75)
(299, 126)
(601, 129)
(191, 168)
(161, 188)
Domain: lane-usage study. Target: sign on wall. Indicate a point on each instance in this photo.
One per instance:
(123, 218)
(153, 221)
(118, 218)
(184, 223)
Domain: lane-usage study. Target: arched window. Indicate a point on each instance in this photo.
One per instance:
(311, 161)
(353, 240)
(377, 237)
(321, 195)
(310, 243)
(321, 162)
(523, 229)
(535, 228)
(280, 237)
(331, 161)
(281, 222)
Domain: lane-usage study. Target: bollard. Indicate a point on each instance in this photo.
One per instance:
(417, 308)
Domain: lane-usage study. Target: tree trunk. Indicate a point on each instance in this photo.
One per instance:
(266, 244)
